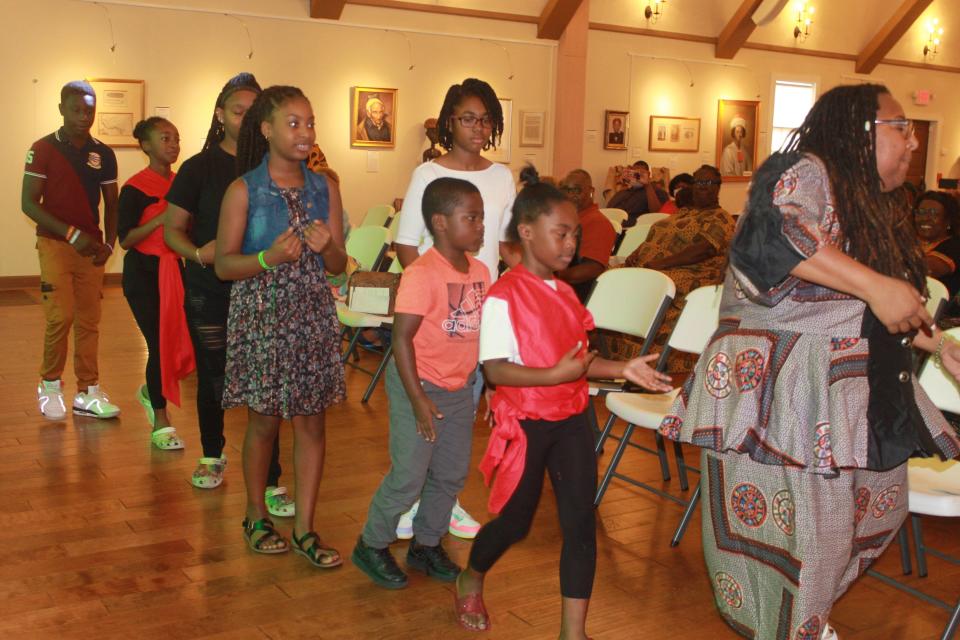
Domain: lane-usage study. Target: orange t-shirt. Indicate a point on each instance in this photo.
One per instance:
(447, 344)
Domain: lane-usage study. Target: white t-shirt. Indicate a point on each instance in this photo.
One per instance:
(497, 337)
(497, 190)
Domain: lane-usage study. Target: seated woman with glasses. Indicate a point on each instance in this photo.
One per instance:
(937, 220)
(691, 248)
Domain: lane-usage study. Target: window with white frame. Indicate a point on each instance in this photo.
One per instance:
(791, 102)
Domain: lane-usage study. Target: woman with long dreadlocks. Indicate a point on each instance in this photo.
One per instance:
(804, 401)
(280, 227)
(190, 229)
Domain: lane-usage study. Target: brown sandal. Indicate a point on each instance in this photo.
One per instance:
(250, 529)
(316, 553)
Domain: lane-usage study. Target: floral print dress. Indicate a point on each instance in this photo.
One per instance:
(283, 356)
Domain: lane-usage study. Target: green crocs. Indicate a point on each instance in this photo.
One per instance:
(209, 473)
(279, 503)
(144, 397)
(166, 439)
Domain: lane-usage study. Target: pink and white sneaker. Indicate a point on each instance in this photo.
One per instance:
(462, 524)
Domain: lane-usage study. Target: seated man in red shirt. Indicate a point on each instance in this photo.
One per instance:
(597, 235)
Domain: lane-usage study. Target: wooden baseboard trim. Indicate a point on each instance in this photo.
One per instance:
(33, 282)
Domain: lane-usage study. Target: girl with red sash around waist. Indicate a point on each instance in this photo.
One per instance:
(533, 338)
(152, 282)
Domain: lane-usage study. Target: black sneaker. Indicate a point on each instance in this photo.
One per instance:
(379, 565)
(433, 561)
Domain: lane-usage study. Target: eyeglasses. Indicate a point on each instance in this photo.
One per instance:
(705, 183)
(926, 212)
(470, 121)
(905, 126)
(567, 188)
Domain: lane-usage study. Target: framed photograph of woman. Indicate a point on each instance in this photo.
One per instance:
(615, 129)
(737, 133)
(373, 117)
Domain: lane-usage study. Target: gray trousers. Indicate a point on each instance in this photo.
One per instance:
(433, 472)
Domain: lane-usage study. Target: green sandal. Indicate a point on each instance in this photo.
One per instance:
(250, 529)
(316, 553)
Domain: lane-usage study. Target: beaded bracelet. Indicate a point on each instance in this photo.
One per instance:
(938, 354)
(263, 262)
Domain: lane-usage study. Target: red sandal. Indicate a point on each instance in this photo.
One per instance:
(471, 603)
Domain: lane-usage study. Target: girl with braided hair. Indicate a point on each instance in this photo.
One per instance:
(804, 401)
(190, 229)
(280, 227)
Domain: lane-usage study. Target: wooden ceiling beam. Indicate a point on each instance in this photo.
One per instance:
(890, 34)
(737, 31)
(555, 17)
(327, 9)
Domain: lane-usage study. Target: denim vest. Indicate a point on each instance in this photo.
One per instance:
(267, 213)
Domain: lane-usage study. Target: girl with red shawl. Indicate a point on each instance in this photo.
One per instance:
(152, 282)
(533, 337)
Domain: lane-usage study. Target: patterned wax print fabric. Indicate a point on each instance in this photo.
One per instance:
(283, 337)
(666, 238)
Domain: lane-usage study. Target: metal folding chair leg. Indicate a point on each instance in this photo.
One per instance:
(598, 447)
(662, 454)
(954, 623)
(681, 465)
(379, 372)
(687, 514)
(351, 346)
(613, 462)
(920, 548)
(904, 550)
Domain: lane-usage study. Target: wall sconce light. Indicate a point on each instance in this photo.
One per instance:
(654, 10)
(934, 31)
(804, 20)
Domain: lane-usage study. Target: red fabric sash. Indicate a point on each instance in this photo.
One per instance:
(547, 324)
(176, 350)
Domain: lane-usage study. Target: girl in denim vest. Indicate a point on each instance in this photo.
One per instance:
(280, 227)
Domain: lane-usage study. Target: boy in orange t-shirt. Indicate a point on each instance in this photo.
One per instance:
(436, 338)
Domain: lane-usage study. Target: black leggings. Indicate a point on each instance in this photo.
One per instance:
(565, 449)
(207, 318)
(146, 311)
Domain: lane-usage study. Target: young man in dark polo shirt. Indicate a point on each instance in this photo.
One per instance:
(66, 172)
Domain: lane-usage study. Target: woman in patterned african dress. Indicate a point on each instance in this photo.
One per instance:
(804, 401)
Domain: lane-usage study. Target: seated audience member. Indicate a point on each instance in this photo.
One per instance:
(641, 195)
(680, 195)
(937, 220)
(597, 235)
(691, 248)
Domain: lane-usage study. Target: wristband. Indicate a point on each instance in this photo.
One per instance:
(76, 236)
(199, 259)
(263, 262)
(69, 232)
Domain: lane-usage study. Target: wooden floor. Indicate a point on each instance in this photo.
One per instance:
(102, 536)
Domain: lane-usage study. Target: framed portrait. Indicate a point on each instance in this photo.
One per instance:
(373, 117)
(120, 105)
(615, 129)
(674, 134)
(502, 152)
(737, 133)
(532, 124)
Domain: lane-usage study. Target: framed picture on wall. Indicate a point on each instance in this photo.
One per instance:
(674, 134)
(615, 129)
(737, 133)
(119, 109)
(531, 128)
(502, 152)
(373, 117)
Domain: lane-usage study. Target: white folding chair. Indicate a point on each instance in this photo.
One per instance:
(651, 218)
(696, 324)
(357, 322)
(379, 215)
(937, 300)
(633, 238)
(367, 245)
(616, 216)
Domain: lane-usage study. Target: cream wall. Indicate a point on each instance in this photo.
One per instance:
(185, 57)
(656, 81)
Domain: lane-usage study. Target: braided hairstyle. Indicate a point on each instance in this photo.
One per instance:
(241, 82)
(535, 199)
(455, 95)
(144, 128)
(251, 145)
(875, 226)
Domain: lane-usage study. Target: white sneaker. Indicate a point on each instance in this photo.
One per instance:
(462, 524)
(829, 633)
(94, 403)
(405, 526)
(50, 399)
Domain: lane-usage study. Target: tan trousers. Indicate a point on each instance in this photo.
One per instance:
(71, 287)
